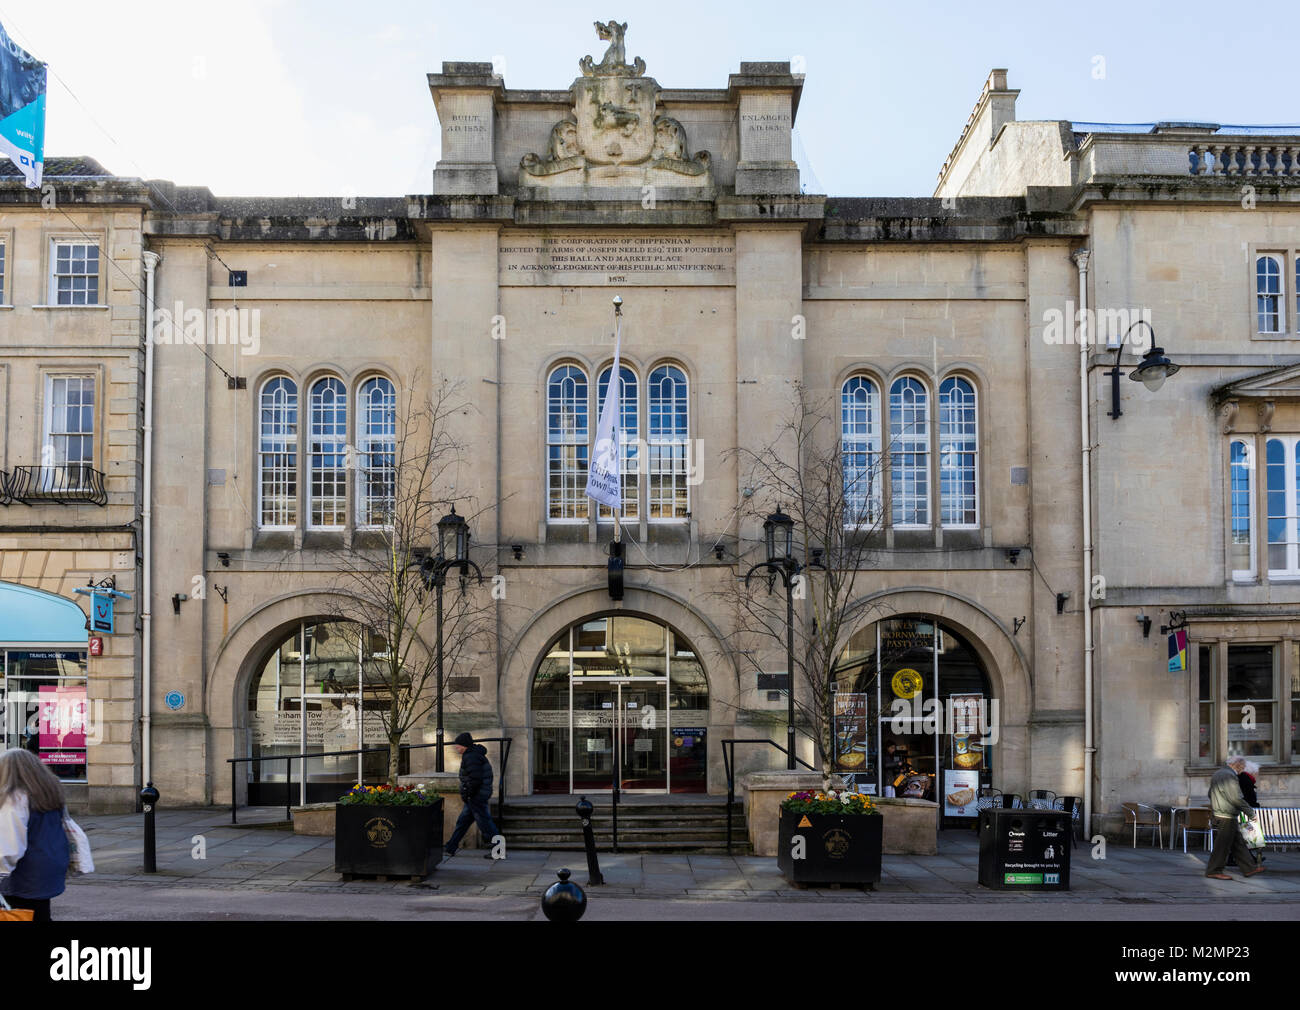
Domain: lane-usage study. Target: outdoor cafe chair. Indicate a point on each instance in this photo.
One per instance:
(1143, 815)
(1197, 821)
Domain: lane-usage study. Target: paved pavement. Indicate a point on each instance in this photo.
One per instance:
(213, 870)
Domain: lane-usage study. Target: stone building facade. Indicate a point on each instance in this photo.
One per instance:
(945, 330)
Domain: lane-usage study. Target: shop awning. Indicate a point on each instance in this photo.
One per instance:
(29, 615)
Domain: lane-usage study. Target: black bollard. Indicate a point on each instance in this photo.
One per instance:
(589, 842)
(563, 901)
(149, 797)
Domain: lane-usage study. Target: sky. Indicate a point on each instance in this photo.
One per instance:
(286, 98)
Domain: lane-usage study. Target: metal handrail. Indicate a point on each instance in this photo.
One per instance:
(503, 753)
(64, 484)
(729, 762)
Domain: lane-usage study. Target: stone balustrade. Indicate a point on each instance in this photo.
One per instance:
(1263, 157)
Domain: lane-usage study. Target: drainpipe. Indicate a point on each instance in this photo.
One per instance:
(146, 517)
(1081, 257)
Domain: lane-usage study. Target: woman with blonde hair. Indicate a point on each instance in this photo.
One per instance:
(34, 851)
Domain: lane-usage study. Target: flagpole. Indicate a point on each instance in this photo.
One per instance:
(618, 336)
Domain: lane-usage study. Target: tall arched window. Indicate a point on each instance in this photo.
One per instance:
(566, 444)
(628, 434)
(909, 435)
(277, 455)
(1242, 546)
(377, 448)
(860, 444)
(327, 480)
(958, 454)
(1268, 295)
(668, 447)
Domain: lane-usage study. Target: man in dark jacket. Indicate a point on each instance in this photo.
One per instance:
(476, 791)
(1226, 802)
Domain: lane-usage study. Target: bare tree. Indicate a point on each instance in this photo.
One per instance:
(383, 589)
(831, 489)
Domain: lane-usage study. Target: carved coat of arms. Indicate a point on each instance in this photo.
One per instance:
(613, 136)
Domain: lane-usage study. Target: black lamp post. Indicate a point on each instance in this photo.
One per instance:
(1152, 372)
(778, 538)
(453, 552)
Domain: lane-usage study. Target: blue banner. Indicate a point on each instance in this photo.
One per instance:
(22, 109)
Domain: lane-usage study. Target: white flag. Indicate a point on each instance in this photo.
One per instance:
(603, 483)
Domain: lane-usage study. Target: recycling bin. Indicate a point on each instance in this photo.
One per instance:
(1025, 850)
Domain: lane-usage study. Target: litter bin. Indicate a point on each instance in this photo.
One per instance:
(1025, 850)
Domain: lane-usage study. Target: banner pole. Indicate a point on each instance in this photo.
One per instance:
(618, 339)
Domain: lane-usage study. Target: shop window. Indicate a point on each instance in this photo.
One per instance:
(628, 439)
(567, 432)
(377, 445)
(914, 714)
(46, 710)
(1206, 705)
(669, 493)
(277, 455)
(327, 456)
(1252, 701)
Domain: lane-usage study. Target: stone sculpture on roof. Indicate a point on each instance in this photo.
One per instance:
(614, 135)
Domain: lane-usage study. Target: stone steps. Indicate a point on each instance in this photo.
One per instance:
(642, 827)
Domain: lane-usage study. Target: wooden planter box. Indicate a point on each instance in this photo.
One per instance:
(838, 848)
(387, 841)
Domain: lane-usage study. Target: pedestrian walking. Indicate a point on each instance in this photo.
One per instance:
(1247, 774)
(34, 850)
(1226, 804)
(476, 791)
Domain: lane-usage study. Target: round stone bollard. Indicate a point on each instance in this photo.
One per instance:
(564, 901)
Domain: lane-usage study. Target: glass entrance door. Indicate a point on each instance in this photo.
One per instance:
(643, 737)
(619, 724)
(594, 709)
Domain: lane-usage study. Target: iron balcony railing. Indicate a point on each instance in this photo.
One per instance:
(66, 484)
(5, 499)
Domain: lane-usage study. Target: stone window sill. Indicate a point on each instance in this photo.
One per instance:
(62, 308)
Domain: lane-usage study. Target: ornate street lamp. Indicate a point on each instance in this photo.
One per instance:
(453, 552)
(1152, 372)
(778, 537)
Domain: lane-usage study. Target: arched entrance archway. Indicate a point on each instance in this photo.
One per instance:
(916, 714)
(314, 690)
(619, 696)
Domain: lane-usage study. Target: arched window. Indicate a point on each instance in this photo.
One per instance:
(958, 454)
(860, 444)
(321, 688)
(566, 444)
(277, 455)
(1242, 543)
(668, 447)
(1268, 295)
(909, 434)
(377, 448)
(327, 456)
(628, 435)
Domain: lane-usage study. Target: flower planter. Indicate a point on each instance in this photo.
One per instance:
(838, 848)
(387, 840)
